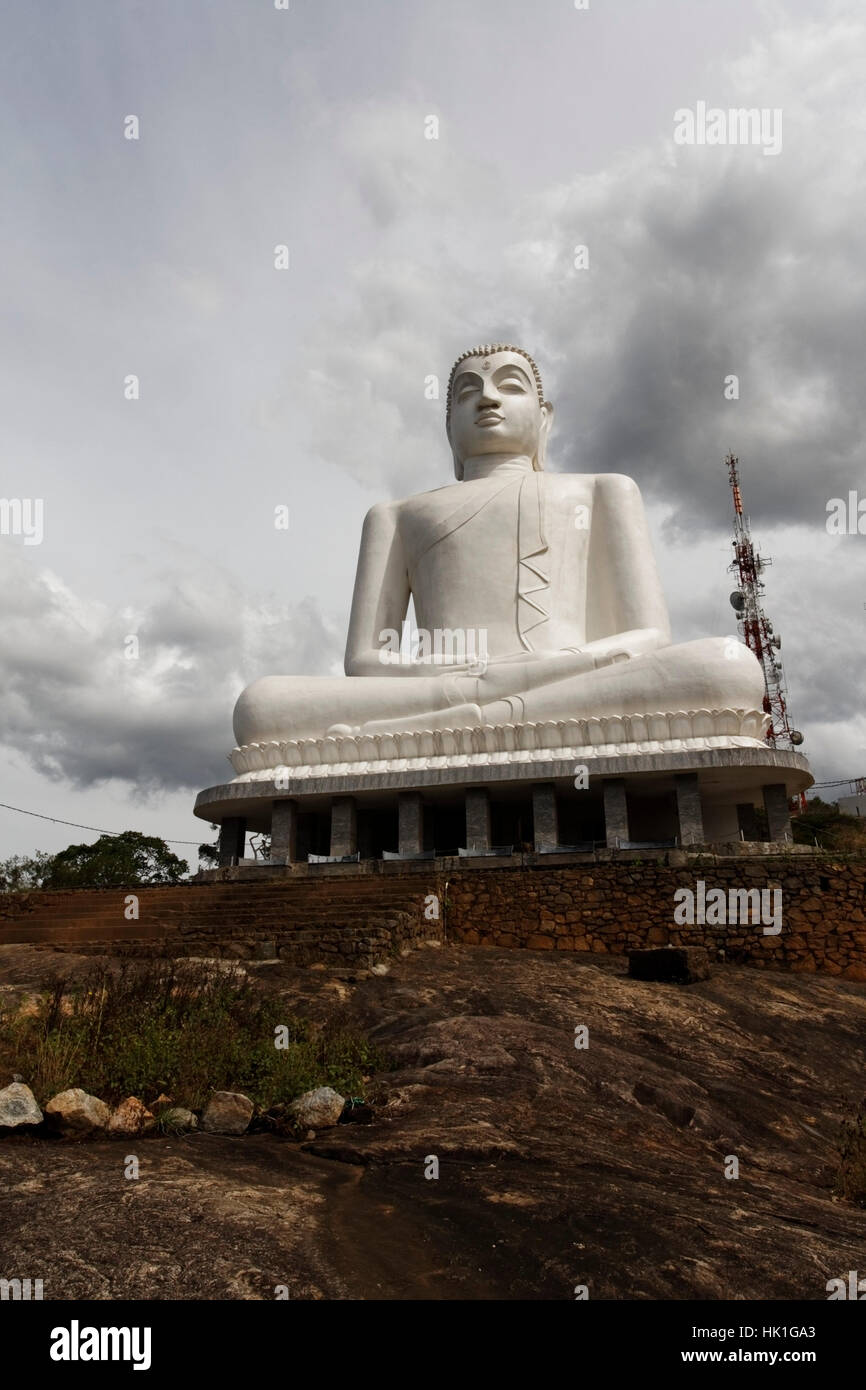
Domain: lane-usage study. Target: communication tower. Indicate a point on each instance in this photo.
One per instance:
(755, 627)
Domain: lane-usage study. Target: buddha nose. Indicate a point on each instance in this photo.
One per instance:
(489, 396)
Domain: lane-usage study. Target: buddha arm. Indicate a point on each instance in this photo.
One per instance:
(381, 596)
(571, 661)
(626, 613)
(530, 671)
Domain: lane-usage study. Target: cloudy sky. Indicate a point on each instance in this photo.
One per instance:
(304, 387)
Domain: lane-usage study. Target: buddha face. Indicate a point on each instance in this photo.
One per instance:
(495, 410)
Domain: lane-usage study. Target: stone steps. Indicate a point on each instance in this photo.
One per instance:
(286, 900)
(108, 900)
(300, 920)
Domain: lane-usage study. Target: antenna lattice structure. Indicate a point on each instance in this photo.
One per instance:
(754, 625)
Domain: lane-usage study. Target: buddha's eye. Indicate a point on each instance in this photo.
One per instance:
(512, 383)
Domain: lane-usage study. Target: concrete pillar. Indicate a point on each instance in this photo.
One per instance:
(344, 826)
(233, 836)
(689, 808)
(284, 832)
(747, 821)
(545, 823)
(615, 811)
(410, 823)
(477, 818)
(778, 816)
(366, 841)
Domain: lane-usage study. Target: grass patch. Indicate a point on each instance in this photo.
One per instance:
(180, 1028)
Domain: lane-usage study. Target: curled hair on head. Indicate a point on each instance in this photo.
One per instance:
(487, 350)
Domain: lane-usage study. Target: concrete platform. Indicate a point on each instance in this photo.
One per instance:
(720, 770)
(695, 795)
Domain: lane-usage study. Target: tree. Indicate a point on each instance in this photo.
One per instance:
(24, 872)
(116, 861)
(209, 855)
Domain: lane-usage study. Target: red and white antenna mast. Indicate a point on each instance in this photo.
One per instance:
(755, 627)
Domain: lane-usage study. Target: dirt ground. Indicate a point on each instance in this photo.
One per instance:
(557, 1166)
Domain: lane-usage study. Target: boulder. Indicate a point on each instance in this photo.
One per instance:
(75, 1114)
(227, 1112)
(130, 1117)
(680, 965)
(18, 1107)
(177, 1120)
(317, 1109)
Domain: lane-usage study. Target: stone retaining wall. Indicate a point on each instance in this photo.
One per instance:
(355, 915)
(616, 907)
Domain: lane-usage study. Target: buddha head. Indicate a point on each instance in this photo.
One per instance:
(496, 405)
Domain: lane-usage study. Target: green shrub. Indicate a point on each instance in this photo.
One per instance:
(180, 1028)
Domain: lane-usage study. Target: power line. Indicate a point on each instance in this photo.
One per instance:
(75, 825)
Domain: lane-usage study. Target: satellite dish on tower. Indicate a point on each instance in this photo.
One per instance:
(738, 601)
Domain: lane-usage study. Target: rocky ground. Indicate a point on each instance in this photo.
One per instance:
(602, 1166)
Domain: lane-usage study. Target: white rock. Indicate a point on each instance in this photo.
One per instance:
(18, 1107)
(318, 1109)
(74, 1112)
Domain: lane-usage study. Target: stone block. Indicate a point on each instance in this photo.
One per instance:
(670, 964)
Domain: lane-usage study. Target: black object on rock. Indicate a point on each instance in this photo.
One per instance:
(679, 965)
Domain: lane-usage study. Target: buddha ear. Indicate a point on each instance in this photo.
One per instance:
(543, 436)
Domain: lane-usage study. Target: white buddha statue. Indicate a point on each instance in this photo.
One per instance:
(556, 570)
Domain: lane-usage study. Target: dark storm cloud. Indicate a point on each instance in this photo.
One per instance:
(77, 708)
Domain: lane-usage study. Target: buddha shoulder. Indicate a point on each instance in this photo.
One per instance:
(390, 510)
(612, 485)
